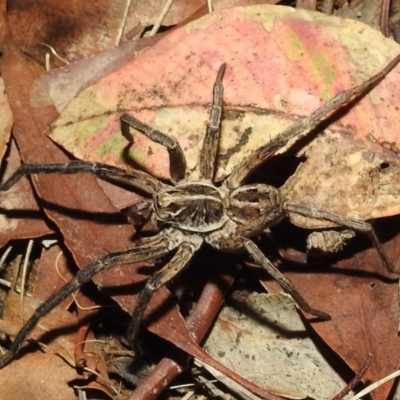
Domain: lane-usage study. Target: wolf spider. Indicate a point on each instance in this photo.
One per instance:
(192, 213)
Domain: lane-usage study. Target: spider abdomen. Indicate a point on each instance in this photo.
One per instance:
(261, 204)
(195, 207)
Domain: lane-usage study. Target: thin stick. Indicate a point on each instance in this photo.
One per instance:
(66, 281)
(23, 278)
(122, 26)
(4, 256)
(161, 18)
(53, 51)
(372, 387)
(355, 380)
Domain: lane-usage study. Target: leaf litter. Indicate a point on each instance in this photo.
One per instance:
(241, 80)
(273, 349)
(161, 98)
(151, 109)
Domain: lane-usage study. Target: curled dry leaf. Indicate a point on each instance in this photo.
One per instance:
(289, 72)
(6, 120)
(282, 65)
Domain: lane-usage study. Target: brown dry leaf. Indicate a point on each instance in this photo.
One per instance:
(57, 320)
(313, 58)
(74, 29)
(269, 346)
(51, 274)
(29, 222)
(37, 377)
(10, 227)
(363, 303)
(5, 122)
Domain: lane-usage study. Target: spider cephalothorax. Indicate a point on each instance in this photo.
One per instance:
(189, 213)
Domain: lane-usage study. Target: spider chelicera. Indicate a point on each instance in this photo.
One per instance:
(193, 213)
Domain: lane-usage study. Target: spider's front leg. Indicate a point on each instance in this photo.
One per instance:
(356, 225)
(148, 249)
(177, 160)
(305, 125)
(209, 149)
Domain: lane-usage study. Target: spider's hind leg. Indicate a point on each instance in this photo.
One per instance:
(356, 225)
(281, 279)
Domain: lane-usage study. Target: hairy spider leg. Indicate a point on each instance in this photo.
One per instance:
(209, 149)
(178, 262)
(148, 249)
(177, 160)
(357, 225)
(210, 142)
(136, 179)
(305, 125)
(284, 282)
(240, 241)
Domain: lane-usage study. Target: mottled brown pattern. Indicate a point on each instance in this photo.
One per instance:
(189, 214)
